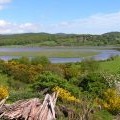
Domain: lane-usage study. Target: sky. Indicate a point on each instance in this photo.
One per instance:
(59, 16)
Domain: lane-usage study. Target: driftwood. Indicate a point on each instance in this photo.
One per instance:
(31, 109)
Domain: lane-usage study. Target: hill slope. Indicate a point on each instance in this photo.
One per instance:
(60, 39)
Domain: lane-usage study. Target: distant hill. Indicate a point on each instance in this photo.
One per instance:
(60, 39)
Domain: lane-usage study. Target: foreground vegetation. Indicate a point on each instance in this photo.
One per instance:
(45, 39)
(112, 65)
(90, 86)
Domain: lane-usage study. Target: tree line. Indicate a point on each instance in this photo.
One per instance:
(45, 39)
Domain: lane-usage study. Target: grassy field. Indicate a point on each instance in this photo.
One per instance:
(64, 54)
(111, 66)
(63, 47)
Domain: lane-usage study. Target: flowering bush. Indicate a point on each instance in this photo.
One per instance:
(49, 80)
(65, 95)
(3, 92)
(22, 72)
(112, 79)
(112, 101)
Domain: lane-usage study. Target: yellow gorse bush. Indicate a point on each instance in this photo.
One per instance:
(3, 92)
(65, 95)
(22, 72)
(112, 101)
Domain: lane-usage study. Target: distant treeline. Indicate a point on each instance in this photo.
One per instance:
(60, 39)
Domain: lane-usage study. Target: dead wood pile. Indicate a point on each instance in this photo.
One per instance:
(32, 109)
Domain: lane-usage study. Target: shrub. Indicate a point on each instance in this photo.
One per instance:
(112, 79)
(89, 65)
(55, 69)
(70, 72)
(4, 79)
(93, 83)
(22, 72)
(65, 94)
(74, 81)
(20, 95)
(50, 80)
(40, 60)
(16, 84)
(1, 65)
(112, 57)
(3, 92)
(111, 101)
(24, 60)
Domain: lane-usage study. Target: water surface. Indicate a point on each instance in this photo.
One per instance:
(103, 53)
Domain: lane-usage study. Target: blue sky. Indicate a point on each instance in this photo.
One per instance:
(54, 16)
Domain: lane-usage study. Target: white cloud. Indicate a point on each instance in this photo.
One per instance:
(3, 3)
(1, 7)
(95, 24)
(8, 27)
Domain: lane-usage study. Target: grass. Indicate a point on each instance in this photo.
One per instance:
(69, 47)
(102, 115)
(112, 66)
(3, 80)
(51, 53)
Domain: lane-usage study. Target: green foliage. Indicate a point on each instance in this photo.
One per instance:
(23, 60)
(50, 80)
(111, 58)
(16, 84)
(1, 65)
(70, 71)
(40, 60)
(112, 66)
(89, 65)
(22, 72)
(102, 115)
(20, 95)
(55, 68)
(4, 80)
(27, 79)
(94, 83)
(74, 81)
(45, 39)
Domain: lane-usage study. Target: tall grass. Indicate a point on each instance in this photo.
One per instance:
(112, 66)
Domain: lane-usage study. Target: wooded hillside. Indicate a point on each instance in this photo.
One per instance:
(60, 39)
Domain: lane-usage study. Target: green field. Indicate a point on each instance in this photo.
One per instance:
(112, 66)
(64, 54)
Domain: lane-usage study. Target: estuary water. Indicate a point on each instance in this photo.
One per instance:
(103, 53)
